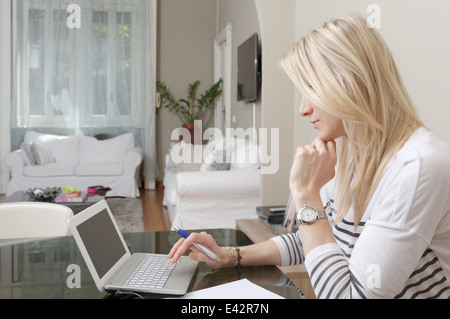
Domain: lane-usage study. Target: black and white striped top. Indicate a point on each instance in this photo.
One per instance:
(401, 248)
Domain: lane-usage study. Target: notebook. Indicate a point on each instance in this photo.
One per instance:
(288, 225)
(111, 264)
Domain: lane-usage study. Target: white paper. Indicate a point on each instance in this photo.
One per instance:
(240, 289)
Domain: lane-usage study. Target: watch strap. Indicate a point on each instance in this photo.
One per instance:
(321, 214)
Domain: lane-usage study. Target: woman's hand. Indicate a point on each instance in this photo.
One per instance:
(313, 166)
(204, 239)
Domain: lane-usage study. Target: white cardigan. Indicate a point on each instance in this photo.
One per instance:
(401, 248)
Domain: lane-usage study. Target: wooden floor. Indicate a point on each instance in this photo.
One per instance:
(156, 217)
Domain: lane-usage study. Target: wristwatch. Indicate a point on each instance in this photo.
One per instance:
(308, 215)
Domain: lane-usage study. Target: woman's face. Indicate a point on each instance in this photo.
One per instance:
(329, 126)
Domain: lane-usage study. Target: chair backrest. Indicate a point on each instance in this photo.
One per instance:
(34, 220)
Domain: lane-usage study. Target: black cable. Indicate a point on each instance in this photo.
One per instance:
(121, 293)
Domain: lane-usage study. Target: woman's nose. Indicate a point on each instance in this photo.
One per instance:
(305, 107)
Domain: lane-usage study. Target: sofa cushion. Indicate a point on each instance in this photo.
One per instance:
(42, 155)
(218, 159)
(35, 154)
(245, 155)
(27, 153)
(185, 157)
(110, 150)
(51, 169)
(99, 169)
(62, 148)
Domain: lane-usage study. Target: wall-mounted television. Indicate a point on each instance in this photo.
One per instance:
(249, 70)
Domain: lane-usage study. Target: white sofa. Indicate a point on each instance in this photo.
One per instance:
(46, 160)
(208, 194)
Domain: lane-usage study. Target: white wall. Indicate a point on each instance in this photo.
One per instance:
(186, 31)
(244, 20)
(277, 26)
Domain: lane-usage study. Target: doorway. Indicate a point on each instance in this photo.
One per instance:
(222, 70)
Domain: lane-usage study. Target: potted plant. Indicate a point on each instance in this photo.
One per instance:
(192, 108)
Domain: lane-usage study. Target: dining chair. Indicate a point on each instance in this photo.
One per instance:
(26, 220)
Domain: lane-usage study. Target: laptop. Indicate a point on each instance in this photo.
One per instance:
(111, 264)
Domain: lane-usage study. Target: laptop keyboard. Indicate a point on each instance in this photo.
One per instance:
(152, 272)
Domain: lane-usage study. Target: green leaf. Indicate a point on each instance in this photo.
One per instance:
(191, 108)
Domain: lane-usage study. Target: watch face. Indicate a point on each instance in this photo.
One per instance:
(308, 215)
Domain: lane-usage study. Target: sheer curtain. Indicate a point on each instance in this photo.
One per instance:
(86, 67)
(5, 89)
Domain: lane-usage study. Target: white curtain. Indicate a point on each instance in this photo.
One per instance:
(86, 67)
(5, 89)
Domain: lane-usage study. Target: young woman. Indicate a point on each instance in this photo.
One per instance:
(382, 177)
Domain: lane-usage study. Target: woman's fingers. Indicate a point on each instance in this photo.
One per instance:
(184, 245)
(175, 247)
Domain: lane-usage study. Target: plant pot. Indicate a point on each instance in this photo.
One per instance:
(192, 131)
(189, 126)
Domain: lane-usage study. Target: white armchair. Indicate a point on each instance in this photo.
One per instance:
(197, 198)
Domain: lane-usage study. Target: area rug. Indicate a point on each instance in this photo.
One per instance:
(128, 214)
(126, 211)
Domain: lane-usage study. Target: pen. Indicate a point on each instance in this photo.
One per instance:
(208, 252)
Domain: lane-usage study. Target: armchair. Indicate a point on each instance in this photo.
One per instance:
(197, 198)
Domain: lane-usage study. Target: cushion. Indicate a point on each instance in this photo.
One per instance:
(185, 157)
(27, 153)
(41, 155)
(110, 150)
(99, 169)
(245, 155)
(35, 154)
(62, 148)
(51, 169)
(217, 159)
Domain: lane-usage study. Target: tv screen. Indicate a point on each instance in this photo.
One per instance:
(248, 70)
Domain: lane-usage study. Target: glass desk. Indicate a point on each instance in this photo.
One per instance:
(42, 268)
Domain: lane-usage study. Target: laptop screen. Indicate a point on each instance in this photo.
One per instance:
(102, 242)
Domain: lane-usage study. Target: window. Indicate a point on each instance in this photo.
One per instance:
(84, 75)
(99, 78)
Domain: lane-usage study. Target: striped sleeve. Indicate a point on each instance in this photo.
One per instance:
(291, 249)
(330, 274)
(327, 266)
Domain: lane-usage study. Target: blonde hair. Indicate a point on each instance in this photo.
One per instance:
(346, 69)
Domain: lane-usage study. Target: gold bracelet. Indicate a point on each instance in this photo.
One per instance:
(239, 257)
(234, 256)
